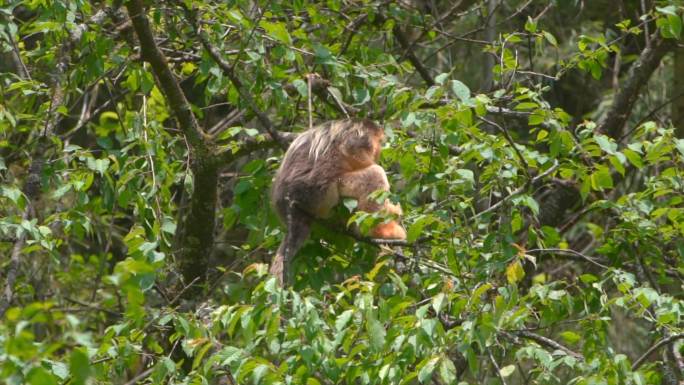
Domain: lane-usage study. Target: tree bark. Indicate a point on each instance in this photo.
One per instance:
(490, 36)
(639, 73)
(678, 93)
(196, 241)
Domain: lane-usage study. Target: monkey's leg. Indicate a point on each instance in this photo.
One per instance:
(359, 184)
(298, 229)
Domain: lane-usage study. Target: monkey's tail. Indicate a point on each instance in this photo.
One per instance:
(277, 268)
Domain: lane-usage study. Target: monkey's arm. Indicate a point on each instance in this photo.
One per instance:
(359, 184)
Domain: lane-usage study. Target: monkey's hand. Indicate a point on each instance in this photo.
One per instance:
(390, 230)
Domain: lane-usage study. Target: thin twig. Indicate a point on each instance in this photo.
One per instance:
(510, 141)
(91, 306)
(228, 70)
(13, 269)
(496, 366)
(308, 94)
(140, 376)
(544, 341)
(568, 252)
(518, 190)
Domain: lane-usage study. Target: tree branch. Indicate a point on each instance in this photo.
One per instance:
(569, 252)
(519, 190)
(665, 341)
(196, 231)
(249, 146)
(228, 70)
(32, 185)
(410, 54)
(167, 80)
(545, 341)
(639, 73)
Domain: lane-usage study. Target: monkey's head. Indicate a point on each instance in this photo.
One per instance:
(362, 140)
(357, 140)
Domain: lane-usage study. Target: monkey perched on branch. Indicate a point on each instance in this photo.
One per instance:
(334, 160)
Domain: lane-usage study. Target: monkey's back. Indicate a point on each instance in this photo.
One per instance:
(303, 179)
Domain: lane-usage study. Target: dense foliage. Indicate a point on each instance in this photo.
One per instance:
(537, 148)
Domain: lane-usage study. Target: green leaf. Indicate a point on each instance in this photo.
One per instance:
(571, 337)
(526, 106)
(336, 93)
(528, 201)
(200, 354)
(416, 229)
(460, 90)
(277, 31)
(40, 376)
(617, 161)
(438, 302)
(530, 25)
(634, 158)
(550, 38)
(668, 10)
(536, 118)
(441, 78)
(259, 372)
(343, 319)
(679, 143)
(447, 371)
(11, 192)
(507, 370)
(189, 182)
(675, 23)
(350, 203)
(426, 371)
(301, 87)
(99, 165)
(79, 367)
(361, 96)
(606, 144)
(466, 175)
(376, 333)
(601, 178)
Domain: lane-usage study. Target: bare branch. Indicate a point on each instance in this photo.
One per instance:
(569, 252)
(665, 341)
(496, 367)
(545, 341)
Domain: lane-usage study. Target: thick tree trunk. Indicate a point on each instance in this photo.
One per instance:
(678, 92)
(196, 241)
